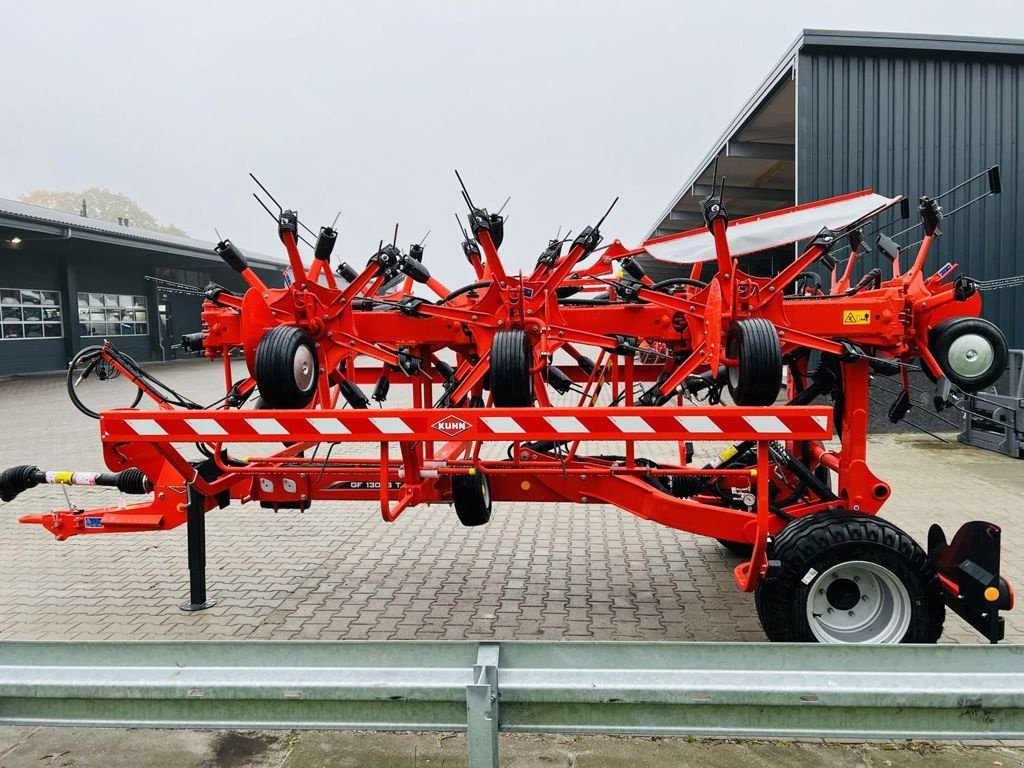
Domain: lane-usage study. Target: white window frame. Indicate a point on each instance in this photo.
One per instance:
(43, 323)
(120, 296)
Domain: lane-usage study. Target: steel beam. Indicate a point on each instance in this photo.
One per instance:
(769, 194)
(689, 217)
(760, 150)
(482, 708)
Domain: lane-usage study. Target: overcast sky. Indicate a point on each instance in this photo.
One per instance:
(367, 107)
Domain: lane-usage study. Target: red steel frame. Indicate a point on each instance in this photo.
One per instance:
(687, 328)
(149, 440)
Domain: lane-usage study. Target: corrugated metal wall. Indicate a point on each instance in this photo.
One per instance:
(918, 123)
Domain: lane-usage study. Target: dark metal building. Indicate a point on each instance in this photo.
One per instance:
(68, 282)
(910, 114)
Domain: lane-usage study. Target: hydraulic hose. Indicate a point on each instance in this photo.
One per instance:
(465, 289)
(674, 281)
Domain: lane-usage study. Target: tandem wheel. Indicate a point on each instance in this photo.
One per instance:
(849, 577)
(286, 368)
(972, 352)
(757, 376)
(511, 382)
(471, 495)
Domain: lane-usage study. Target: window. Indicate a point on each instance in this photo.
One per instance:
(30, 314)
(112, 314)
(186, 276)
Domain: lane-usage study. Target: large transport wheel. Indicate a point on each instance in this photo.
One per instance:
(848, 577)
(471, 495)
(757, 377)
(286, 368)
(511, 381)
(971, 352)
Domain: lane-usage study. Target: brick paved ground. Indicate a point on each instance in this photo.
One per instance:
(339, 572)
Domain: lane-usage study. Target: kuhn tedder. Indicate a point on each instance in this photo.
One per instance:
(503, 360)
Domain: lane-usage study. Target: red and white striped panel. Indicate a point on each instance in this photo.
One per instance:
(805, 423)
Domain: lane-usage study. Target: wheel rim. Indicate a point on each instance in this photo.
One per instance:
(304, 368)
(733, 371)
(485, 491)
(970, 355)
(858, 602)
(734, 376)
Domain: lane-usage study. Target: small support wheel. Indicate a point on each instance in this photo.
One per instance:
(471, 495)
(510, 380)
(848, 577)
(286, 368)
(757, 376)
(972, 352)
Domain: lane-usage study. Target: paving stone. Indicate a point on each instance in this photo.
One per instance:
(339, 572)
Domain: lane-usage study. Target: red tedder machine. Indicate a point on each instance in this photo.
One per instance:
(515, 379)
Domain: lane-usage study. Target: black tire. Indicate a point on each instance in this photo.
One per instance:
(286, 368)
(511, 360)
(989, 342)
(738, 548)
(812, 549)
(471, 495)
(756, 379)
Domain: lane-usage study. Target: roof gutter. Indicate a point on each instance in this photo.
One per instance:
(67, 232)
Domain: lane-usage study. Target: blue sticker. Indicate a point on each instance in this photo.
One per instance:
(528, 292)
(947, 267)
(94, 522)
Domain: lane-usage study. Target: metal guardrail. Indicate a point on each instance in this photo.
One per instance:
(745, 690)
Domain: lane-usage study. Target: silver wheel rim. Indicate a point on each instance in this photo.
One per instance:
(304, 368)
(858, 602)
(734, 376)
(970, 355)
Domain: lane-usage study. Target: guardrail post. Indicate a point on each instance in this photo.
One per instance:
(196, 524)
(482, 709)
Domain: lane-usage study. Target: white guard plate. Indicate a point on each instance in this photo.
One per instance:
(770, 230)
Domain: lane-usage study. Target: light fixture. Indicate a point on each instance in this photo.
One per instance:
(15, 240)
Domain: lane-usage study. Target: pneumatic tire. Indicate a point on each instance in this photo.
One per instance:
(286, 368)
(848, 577)
(971, 352)
(511, 359)
(471, 495)
(757, 376)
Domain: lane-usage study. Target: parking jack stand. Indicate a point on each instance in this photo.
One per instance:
(196, 525)
(482, 709)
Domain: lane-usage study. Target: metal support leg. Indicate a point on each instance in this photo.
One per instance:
(196, 553)
(482, 709)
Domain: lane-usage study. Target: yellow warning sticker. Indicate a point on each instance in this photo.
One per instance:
(856, 317)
